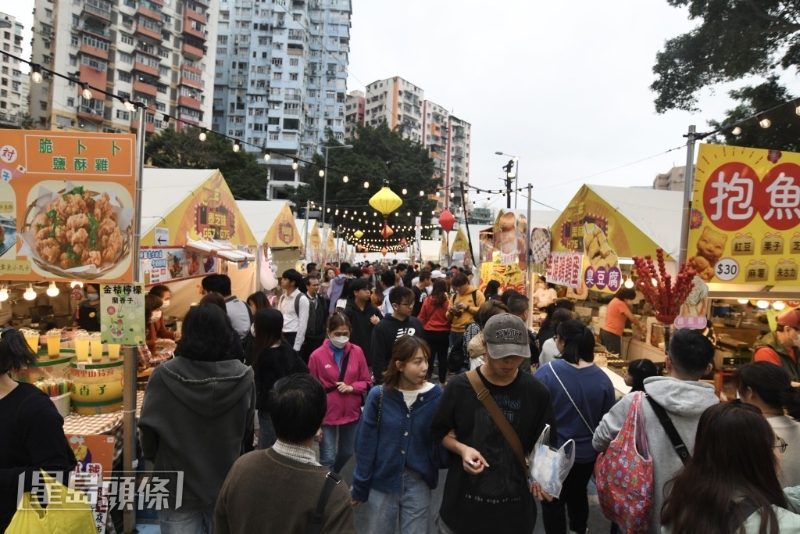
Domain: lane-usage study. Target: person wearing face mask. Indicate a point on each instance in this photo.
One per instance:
(87, 316)
(342, 369)
(161, 291)
(781, 346)
(153, 314)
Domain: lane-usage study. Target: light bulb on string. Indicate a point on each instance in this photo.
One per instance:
(86, 93)
(29, 294)
(366, 185)
(321, 173)
(236, 146)
(345, 179)
(3, 294)
(36, 73)
(52, 290)
(202, 135)
(266, 156)
(295, 165)
(736, 131)
(764, 122)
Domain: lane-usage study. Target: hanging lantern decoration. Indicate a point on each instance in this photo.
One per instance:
(358, 234)
(384, 250)
(446, 220)
(385, 202)
(403, 242)
(387, 232)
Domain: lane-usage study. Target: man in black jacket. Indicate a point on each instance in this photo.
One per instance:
(317, 318)
(399, 323)
(363, 317)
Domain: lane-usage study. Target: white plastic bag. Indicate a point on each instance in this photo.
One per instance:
(550, 466)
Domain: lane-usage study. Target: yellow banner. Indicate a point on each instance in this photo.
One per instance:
(330, 244)
(460, 243)
(283, 232)
(745, 221)
(315, 252)
(593, 227)
(66, 206)
(510, 236)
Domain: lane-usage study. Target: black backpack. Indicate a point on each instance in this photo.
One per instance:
(457, 358)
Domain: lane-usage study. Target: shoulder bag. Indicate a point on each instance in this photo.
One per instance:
(316, 521)
(500, 420)
(624, 474)
(669, 428)
(342, 371)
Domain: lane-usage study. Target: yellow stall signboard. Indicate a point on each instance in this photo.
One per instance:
(745, 221)
(66, 206)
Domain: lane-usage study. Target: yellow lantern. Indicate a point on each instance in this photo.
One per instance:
(385, 202)
(358, 234)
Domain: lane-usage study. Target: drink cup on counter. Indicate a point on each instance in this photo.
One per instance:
(82, 346)
(113, 351)
(32, 337)
(54, 342)
(97, 346)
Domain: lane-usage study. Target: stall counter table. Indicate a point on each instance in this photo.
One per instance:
(633, 349)
(620, 387)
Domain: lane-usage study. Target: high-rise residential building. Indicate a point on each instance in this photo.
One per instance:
(12, 105)
(281, 79)
(401, 105)
(672, 180)
(353, 112)
(151, 51)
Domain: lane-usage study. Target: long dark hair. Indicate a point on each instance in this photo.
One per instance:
(206, 335)
(772, 384)
(578, 341)
(733, 456)
(259, 298)
(439, 292)
(268, 324)
(15, 353)
(639, 370)
(492, 288)
(403, 350)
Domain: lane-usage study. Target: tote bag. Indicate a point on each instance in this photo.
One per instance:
(68, 511)
(624, 474)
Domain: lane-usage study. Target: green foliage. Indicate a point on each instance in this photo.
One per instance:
(378, 155)
(27, 122)
(734, 39)
(784, 134)
(246, 177)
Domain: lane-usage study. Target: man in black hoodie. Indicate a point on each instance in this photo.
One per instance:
(363, 317)
(399, 323)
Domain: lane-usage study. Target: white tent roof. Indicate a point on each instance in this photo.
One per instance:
(164, 189)
(260, 214)
(655, 212)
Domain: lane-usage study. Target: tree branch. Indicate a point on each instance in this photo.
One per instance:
(789, 27)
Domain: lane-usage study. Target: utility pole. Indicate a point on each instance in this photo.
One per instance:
(509, 168)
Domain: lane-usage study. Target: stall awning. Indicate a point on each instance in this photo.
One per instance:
(272, 222)
(220, 249)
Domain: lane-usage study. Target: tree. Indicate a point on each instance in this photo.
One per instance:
(378, 155)
(170, 149)
(27, 122)
(734, 40)
(784, 132)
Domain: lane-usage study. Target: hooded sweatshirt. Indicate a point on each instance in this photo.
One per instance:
(195, 416)
(335, 291)
(472, 299)
(684, 401)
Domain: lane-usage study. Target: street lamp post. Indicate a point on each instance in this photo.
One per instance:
(325, 183)
(516, 174)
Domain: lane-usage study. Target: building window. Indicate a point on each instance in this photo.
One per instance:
(70, 102)
(125, 58)
(124, 76)
(123, 115)
(42, 105)
(293, 76)
(74, 40)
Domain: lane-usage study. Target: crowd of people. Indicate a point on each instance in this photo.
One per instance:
(356, 360)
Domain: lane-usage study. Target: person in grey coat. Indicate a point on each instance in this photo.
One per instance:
(682, 396)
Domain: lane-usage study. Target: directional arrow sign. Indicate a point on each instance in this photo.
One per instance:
(162, 236)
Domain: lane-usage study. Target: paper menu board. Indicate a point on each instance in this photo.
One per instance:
(66, 206)
(122, 314)
(745, 220)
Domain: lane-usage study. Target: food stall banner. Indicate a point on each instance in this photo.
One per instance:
(540, 248)
(66, 206)
(598, 228)
(283, 232)
(509, 276)
(745, 220)
(510, 235)
(444, 251)
(167, 264)
(565, 269)
(206, 210)
(460, 249)
(122, 314)
(315, 253)
(95, 455)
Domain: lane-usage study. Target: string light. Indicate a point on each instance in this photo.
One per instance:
(764, 122)
(202, 135)
(29, 294)
(36, 73)
(236, 146)
(266, 156)
(295, 164)
(737, 131)
(3, 294)
(321, 174)
(366, 185)
(87, 94)
(52, 290)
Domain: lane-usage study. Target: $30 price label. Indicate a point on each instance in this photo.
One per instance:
(726, 269)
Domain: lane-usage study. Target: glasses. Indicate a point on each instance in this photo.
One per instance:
(780, 444)
(407, 304)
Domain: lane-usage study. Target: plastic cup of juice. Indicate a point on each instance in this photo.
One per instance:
(82, 347)
(97, 347)
(32, 337)
(113, 351)
(54, 343)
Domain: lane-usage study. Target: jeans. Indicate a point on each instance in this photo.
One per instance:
(199, 521)
(574, 498)
(329, 456)
(439, 343)
(411, 506)
(266, 432)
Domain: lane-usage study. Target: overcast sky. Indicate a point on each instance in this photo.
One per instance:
(563, 85)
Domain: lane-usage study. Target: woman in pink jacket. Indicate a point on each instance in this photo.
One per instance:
(343, 371)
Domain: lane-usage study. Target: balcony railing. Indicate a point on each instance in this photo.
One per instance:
(98, 8)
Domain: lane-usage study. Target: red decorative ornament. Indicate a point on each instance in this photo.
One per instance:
(446, 220)
(403, 242)
(384, 250)
(658, 288)
(387, 231)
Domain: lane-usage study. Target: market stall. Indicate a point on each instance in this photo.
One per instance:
(278, 238)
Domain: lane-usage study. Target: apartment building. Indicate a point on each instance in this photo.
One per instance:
(12, 103)
(281, 79)
(355, 105)
(672, 180)
(151, 51)
(401, 105)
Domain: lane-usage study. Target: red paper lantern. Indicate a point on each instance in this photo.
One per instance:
(384, 250)
(446, 220)
(387, 231)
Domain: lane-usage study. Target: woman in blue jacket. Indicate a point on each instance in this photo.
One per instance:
(397, 462)
(582, 394)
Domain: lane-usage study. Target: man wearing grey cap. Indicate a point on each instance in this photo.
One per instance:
(486, 488)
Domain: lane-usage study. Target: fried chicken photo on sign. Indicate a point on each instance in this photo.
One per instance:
(77, 230)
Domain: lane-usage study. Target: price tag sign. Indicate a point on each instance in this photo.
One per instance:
(726, 269)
